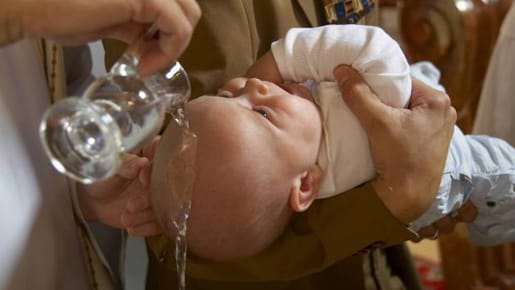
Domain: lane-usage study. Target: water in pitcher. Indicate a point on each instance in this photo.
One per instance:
(84, 137)
(135, 113)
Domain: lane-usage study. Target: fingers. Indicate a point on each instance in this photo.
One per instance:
(126, 32)
(132, 165)
(467, 213)
(430, 232)
(424, 96)
(367, 107)
(150, 149)
(422, 91)
(145, 176)
(437, 106)
(139, 218)
(148, 152)
(176, 21)
(137, 203)
(146, 230)
(446, 225)
(192, 10)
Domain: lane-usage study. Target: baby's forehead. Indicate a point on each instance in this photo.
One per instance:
(219, 118)
(237, 83)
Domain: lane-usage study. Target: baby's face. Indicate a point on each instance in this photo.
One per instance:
(254, 139)
(261, 127)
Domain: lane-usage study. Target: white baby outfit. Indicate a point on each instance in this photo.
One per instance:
(478, 167)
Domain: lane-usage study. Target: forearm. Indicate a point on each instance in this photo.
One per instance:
(11, 28)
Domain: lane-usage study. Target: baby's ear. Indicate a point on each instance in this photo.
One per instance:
(305, 189)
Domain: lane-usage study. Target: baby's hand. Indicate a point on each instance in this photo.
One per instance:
(123, 201)
(139, 218)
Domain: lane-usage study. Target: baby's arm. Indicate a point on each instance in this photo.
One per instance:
(266, 68)
(313, 53)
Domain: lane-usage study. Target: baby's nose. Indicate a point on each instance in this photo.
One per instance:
(256, 86)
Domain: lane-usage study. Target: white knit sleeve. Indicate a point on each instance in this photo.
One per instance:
(313, 53)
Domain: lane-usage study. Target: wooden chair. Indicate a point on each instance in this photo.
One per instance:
(458, 37)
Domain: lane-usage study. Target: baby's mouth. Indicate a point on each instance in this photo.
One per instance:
(298, 90)
(287, 88)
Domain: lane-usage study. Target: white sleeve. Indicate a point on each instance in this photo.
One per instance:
(313, 53)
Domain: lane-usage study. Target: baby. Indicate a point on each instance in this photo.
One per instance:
(268, 149)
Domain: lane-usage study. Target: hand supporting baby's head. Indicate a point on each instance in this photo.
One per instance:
(256, 166)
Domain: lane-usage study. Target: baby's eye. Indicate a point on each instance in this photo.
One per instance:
(262, 112)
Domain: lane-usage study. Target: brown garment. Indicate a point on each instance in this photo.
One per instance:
(98, 273)
(317, 250)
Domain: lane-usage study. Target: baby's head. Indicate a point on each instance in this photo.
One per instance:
(256, 165)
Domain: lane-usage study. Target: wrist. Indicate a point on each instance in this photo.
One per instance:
(405, 209)
(11, 21)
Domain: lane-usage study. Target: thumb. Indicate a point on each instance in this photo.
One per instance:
(145, 175)
(150, 149)
(356, 93)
